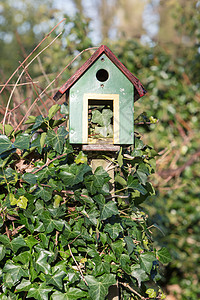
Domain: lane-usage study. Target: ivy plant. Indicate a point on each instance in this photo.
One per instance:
(63, 234)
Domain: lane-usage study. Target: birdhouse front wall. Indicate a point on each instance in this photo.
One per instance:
(103, 81)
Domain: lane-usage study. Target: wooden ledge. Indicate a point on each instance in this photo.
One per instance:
(101, 147)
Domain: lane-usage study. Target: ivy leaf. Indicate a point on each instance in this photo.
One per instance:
(31, 241)
(39, 291)
(42, 264)
(17, 243)
(22, 202)
(56, 140)
(44, 193)
(71, 294)
(125, 263)
(37, 122)
(138, 273)
(104, 118)
(2, 251)
(22, 141)
(73, 174)
(98, 287)
(23, 286)
(30, 178)
(15, 271)
(147, 260)
(129, 243)
(81, 158)
(151, 293)
(135, 185)
(164, 256)
(108, 209)
(53, 110)
(64, 109)
(5, 143)
(56, 279)
(113, 230)
(50, 224)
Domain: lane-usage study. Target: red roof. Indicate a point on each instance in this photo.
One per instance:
(139, 89)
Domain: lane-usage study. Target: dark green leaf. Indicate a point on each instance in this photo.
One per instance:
(22, 141)
(73, 174)
(108, 210)
(125, 263)
(15, 271)
(2, 251)
(30, 178)
(71, 294)
(38, 122)
(44, 192)
(98, 287)
(5, 143)
(17, 243)
(138, 273)
(164, 256)
(31, 241)
(56, 140)
(113, 230)
(56, 279)
(53, 110)
(135, 185)
(23, 286)
(147, 260)
(39, 291)
(129, 243)
(42, 264)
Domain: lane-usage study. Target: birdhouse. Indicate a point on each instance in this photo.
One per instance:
(101, 98)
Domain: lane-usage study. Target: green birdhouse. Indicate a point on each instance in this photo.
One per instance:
(101, 102)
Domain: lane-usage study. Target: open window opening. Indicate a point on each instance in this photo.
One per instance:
(100, 121)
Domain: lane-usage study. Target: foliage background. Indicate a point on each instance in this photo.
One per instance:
(168, 66)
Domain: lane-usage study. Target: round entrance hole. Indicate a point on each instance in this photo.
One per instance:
(102, 75)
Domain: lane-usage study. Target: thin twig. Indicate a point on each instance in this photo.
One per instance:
(31, 54)
(132, 290)
(19, 80)
(19, 84)
(77, 265)
(54, 81)
(49, 162)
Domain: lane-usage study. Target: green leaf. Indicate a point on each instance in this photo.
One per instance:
(22, 141)
(71, 294)
(147, 260)
(22, 202)
(56, 279)
(135, 185)
(15, 271)
(164, 256)
(138, 144)
(56, 140)
(53, 110)
(31, 241)
(125, 263)
(38, 122)
(138, 273)
(81, 158)
(98, 287)
(151, 293)
(120, 180)
(73, 174)
(129, 243)
(41, 263)
(2, 252)
(64, 109)
(7, 127)
(104, 118)
(39, 291)
(120, 158)
(50, 224)
(5, 143)
(44, 193)
(17, 243)
(108, 210)
(30, 178)
(113, 230)
(23, 286)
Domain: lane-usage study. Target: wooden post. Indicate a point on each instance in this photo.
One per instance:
(95, 162)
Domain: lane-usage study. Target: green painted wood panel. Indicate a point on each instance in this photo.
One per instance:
(117, 83)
